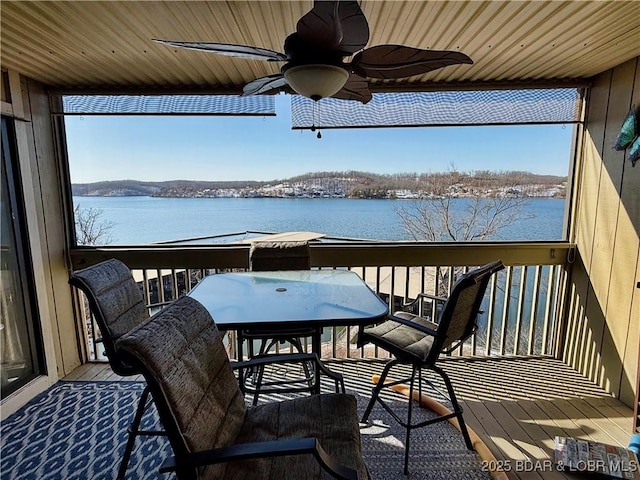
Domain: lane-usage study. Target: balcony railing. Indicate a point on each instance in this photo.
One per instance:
(522, 309)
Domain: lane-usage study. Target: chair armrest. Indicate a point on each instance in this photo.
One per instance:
(414, 325)
(420, 296)
(433, 297)
(276, 448)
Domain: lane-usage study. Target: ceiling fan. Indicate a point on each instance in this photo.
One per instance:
(315, 53)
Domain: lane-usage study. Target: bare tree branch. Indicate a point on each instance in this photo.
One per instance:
(90, 229)
(485, 214)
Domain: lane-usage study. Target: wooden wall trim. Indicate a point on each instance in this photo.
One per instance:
(32, 195)
(636, 405)
(603, 328)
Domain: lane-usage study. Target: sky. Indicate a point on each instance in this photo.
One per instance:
(215, 148)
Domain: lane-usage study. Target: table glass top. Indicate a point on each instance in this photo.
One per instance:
(318, 297)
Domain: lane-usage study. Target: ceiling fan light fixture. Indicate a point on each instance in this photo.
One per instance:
(316, 81)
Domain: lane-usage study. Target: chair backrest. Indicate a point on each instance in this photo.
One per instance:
(458, 318)
(181, 355)
(272, 256)
(117, 304)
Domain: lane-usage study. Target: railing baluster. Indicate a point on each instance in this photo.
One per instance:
(187, 279)
(160, 282)
(505, 309)
(534, 310)
(436, 292)
(561, 308)
(145, 287)
(549, 301)
(406, 284)
(473, 339)
(174, 284)
(520, 310)
(571, 333)
(87, 329)
(585, 344)
(492, 305)
(392, 290)
(451, 279)
(93, 348)
(376, 350)
(364, 277)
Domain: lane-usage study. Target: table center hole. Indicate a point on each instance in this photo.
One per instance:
(281, 289)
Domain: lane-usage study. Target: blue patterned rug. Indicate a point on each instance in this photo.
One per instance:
(77, 430)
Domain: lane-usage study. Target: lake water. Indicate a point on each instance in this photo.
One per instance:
(139, 220)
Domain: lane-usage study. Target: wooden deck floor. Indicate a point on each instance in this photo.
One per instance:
(516, 405)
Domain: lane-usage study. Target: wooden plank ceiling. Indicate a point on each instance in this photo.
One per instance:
(106, 44)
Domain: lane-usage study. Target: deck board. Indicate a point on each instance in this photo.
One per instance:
(517, 405)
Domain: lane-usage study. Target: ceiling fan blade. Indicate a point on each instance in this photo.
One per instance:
(398, 61)
(356, 88)
(338, 26)
(355, 28)
(320, 26)
(264, 84)
(231, 50)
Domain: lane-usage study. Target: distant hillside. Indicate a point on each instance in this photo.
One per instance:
(350, 184)
(130, 188)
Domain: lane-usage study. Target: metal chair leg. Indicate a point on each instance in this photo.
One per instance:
(306, 366)
(416, 370)
(133, 432)
(242, 374)
(408, 427)
(265, 346)
(258, 385)
(457, 409)
(377, 389)
(337, 378)
(264, 349)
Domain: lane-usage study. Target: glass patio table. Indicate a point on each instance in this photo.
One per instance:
(289, 299)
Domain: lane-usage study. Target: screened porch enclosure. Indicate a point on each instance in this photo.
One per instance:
(557, 348)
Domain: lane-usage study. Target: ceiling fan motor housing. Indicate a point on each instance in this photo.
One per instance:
(315, 81)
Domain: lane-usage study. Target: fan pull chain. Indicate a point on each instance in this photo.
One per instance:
(313, 120)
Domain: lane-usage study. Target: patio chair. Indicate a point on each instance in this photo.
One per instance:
(418, 342)
(117, 304)
(274, 256)
(213, 434)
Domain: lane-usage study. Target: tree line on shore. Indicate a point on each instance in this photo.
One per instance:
(358, 183)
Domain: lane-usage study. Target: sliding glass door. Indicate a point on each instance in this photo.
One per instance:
(20, 338)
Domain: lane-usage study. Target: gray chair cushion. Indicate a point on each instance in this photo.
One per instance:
(403, 339)
(117, 295)
(117, 304)
(271, 256)
(182, 349)
(201, 406)
(332, 418)
(456, 322)
(463, 313)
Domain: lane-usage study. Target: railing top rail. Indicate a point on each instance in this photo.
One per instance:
(333, 254)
